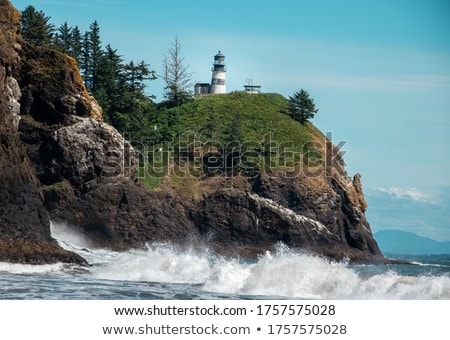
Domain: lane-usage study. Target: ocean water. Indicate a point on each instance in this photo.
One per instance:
(165, 272)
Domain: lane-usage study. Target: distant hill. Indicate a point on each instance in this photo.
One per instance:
(402, 242)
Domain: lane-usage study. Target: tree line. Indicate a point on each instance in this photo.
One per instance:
(118, 86)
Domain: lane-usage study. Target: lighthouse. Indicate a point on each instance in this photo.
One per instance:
(218, 75)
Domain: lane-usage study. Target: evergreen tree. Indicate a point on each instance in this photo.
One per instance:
(137, 74)
(91, 57)
(301, 107)
(111, 68)
(69, 40)
(77, 45)
(108, 74)
(36, 28)
(63, 39)
(129, 109)
(95, 54)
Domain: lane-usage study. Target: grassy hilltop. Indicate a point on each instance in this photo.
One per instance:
(236, 133)
(216, 116)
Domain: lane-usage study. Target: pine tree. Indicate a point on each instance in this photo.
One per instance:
(95, 54)
(108, 73)
(36, 28)
(77, 45)
(63, 39)
(137, 74)
(121, 92)
(110, 70)
(301, 107)
(69, 40)
(91, 57)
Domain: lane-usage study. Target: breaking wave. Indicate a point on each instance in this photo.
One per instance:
(281, 273)
(165, 272)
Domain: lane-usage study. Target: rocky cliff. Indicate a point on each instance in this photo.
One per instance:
(24, 224)
(61, 160)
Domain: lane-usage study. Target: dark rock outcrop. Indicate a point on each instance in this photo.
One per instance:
(114, 213)
(52, 88)
(24, 225)
(78, 151)
(117, 214)
(251, 224)
(333, 200)
(62, 124)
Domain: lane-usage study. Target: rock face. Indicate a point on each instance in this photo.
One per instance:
(334, 201)
(117, 214)
(61, 159)
(52, 88)
(24, 224)
(322, 214)
(78, 151)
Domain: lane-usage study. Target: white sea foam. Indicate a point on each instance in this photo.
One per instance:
(16, 268)
(283, 273)
(160, 263)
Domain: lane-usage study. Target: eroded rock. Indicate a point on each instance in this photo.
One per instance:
(24, 224)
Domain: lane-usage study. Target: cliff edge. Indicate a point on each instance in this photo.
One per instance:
(24, 224)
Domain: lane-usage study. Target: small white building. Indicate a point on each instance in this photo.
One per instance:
(201, 89)
(250, 88)
(255, 89)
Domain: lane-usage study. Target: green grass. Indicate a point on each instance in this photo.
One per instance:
(261, 117)
(272, 139)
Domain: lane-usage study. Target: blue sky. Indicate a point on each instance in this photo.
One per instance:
(379, 72)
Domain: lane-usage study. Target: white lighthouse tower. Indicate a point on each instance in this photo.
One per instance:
(218, 75)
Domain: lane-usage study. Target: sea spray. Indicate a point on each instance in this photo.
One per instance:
(165, 271)
(159, 263)
(293, 274)
(280, 274)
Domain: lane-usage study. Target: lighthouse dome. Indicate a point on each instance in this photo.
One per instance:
(219, 59)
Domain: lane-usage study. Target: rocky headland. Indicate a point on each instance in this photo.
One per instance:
(60, 161)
